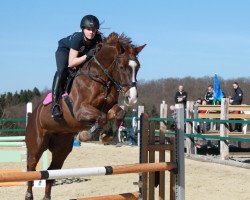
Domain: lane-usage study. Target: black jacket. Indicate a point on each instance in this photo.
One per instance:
(183, 95)
(209, 97)
(76, 42)
(237, 97)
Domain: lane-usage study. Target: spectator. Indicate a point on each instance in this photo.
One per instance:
(121, 133)
(204, 102)
(173, 111)
(198, 128)
(173, 115)
(238, 95)
(237, 100)
(198, 101)
(204, 124)
(209, 97)
(181, 96)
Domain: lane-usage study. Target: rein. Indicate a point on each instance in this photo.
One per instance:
(106, 85)
(116, 83)
(106, 72)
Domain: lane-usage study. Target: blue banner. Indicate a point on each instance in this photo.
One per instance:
(218, 94)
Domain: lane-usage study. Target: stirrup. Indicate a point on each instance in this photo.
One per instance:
(57, 114)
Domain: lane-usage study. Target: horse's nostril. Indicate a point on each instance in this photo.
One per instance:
(126, 100)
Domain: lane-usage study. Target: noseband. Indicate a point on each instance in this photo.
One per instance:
(118, 84)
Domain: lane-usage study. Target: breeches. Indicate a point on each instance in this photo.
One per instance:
(62, 60)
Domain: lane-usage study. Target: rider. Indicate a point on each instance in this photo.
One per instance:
(73, 51)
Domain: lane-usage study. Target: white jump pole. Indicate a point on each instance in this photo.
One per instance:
(93, 171)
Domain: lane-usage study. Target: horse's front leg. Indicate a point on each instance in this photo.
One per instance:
(88, 113)
(116, 114)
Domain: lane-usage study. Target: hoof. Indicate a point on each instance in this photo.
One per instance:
(29, 196)
(84, 136)
(105, 139)
(46, 198)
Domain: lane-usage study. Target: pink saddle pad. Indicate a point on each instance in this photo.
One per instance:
(48, 98)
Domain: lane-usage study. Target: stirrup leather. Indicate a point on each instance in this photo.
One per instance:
(59, 114)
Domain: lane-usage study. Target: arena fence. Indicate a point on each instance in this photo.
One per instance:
(152, 173)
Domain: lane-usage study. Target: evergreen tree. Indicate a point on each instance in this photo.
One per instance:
(16, 99)
(154, 112)
(9, 98)
(36, 92)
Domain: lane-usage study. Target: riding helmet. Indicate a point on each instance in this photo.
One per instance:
(90, 21)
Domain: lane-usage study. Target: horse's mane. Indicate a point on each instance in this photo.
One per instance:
(122, 39)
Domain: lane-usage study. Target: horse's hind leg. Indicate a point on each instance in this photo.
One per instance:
(36, 145)
(60, 146)
(31, 166)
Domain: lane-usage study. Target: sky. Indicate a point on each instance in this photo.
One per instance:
(184, 38)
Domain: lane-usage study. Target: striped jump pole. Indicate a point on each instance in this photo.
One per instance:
(12, 141)
(127, 196)
(12, 138)
(12, 144)
(78, 172)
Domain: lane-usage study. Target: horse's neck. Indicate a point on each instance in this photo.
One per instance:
(91, 77)
(102, 62)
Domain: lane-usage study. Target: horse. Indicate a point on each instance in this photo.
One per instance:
(93, 101)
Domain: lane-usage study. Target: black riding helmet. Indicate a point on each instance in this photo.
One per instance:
(90, 21)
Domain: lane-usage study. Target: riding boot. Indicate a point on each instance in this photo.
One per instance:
(56, 110)
(71, 75)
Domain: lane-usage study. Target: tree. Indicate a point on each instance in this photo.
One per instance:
(36, 92)
(154, 112)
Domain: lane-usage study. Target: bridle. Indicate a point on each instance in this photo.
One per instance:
(118, 83)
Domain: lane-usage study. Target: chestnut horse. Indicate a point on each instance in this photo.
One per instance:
(94, 101)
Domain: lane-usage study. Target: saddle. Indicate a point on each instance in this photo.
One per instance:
(66, 86)
(48, 99)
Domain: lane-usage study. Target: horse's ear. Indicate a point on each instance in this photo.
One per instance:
(138, 49)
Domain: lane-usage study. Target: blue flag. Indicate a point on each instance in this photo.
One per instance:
(218, 94)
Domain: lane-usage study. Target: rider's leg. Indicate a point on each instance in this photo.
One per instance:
(71, 75)
(56, 93)
(60, 77)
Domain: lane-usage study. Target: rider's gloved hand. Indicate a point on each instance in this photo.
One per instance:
(90, 53)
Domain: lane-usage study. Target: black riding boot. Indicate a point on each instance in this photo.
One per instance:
(56, 110)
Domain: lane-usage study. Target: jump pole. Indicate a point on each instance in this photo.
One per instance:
(12, 144)
(127, 196)
(12, 139)
(78, 172)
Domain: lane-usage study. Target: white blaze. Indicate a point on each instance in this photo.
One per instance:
(133, 65)
(132, 92)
